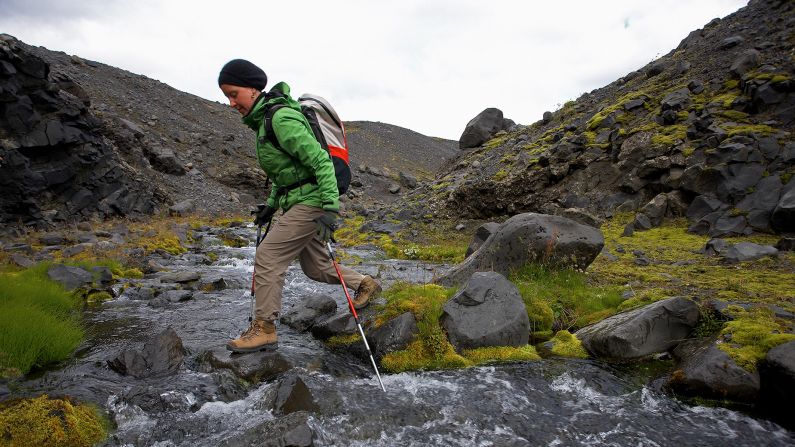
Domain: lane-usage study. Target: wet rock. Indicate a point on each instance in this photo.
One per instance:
(481, 234)
(183, 208)
(292, 430)
(481, 128)
(213, 285)
(70, 277)
(340, 324)
(529, 237)
(707, 371)
(655, 328)
(393, 335)
(161, 355)
(777, 373)
(309, 311)
(176, 296)
(180, 277)
(139, 293)
(292, 394)
(748, 251)
(253, 367)
(488, 311)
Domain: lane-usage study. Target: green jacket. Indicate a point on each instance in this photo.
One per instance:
(308, 157)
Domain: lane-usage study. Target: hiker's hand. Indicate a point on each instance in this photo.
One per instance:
(326, 224)
(263, 214)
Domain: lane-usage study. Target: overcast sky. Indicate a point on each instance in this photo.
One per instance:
(426, 65)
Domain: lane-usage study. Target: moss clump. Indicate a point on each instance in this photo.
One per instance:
(567, 293)
(751, 129)
(670, 135)
(751, 334)
(233, 241)
(500, 175)
(52, 422)
(566, 344)
(501, 354)
(38, 321)
(98, 297)
(344, 340)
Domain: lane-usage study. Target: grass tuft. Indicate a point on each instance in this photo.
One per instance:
(566, 344)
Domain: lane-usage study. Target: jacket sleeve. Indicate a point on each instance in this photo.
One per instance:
(297, 139)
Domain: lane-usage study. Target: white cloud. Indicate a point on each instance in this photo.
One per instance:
(426, 65)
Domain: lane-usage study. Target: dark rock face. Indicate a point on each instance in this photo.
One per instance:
(748, 251)
(707, 371)
(309, 312)
(339, 324)
(54, 156)
(657, 327)
(481, 128)
(527, 238)
(783, 218)
(161, 355)
(394, 335)
(488, 312)
(481, 234)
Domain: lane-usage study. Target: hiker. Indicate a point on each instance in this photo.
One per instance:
(304, 188)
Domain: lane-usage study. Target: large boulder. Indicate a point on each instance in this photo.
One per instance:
(341, 323)
(527, 238)
(293, 395)
(251, 367)
(783, 218)
(657, 327)
(777, 373)
(748, 251)
(489, 311)
(481, 234)
(161, 355)
(707, 371)
(70, 277)
(309, 311)
(481, 128)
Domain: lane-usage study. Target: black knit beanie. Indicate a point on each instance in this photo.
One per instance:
(243, 73)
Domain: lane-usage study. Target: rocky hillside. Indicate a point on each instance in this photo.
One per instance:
(82, 139)
(704, 131)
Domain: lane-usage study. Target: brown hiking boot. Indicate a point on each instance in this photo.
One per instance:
(261, 335)
(368, 290)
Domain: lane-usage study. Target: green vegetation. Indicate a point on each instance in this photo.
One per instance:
(752, 333)
(431, 349)
(563, 296)
(670, 135)
(52, 422)
(434, 243)
(38, 322)
(566, 344)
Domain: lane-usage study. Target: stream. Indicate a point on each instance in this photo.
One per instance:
(553, 402)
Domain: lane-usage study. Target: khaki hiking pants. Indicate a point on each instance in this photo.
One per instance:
(293, 235)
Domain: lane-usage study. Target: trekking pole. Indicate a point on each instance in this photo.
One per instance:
(353, 312)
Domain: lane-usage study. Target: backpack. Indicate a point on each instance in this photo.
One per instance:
(329, 132)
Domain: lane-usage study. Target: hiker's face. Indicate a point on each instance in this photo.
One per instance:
(240, 98)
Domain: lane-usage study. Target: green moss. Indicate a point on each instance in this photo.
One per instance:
(670, 135)
(131, 273)
(688, 151)
(786, 177)
(233, 241)
(734, 115)
(53, 422)
(500, 175)
(726, 99)
(212, 256)
(751, 334)
(566, 344)
(344, 340)
(501, 354)
(751, 129)
(98, 297)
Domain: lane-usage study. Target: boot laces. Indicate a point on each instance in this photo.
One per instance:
(252, 331)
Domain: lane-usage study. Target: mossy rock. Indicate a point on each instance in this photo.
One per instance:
(42, 421)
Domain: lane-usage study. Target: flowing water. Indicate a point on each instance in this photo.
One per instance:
(553, 402)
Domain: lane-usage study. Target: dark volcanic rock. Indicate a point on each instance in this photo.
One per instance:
(748, 251)
(657, 327)
(488, 312)
(777, 374)
(481, 234)
(342, 323)
(707, 371)
(292, 430)
(309, 311)
(525, 238)
(252, 367)
(293, 395)
(481, 128)
(161, 355)
(70, 277)
(393, 335)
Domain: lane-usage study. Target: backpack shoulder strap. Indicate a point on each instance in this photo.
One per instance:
(269, 133)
